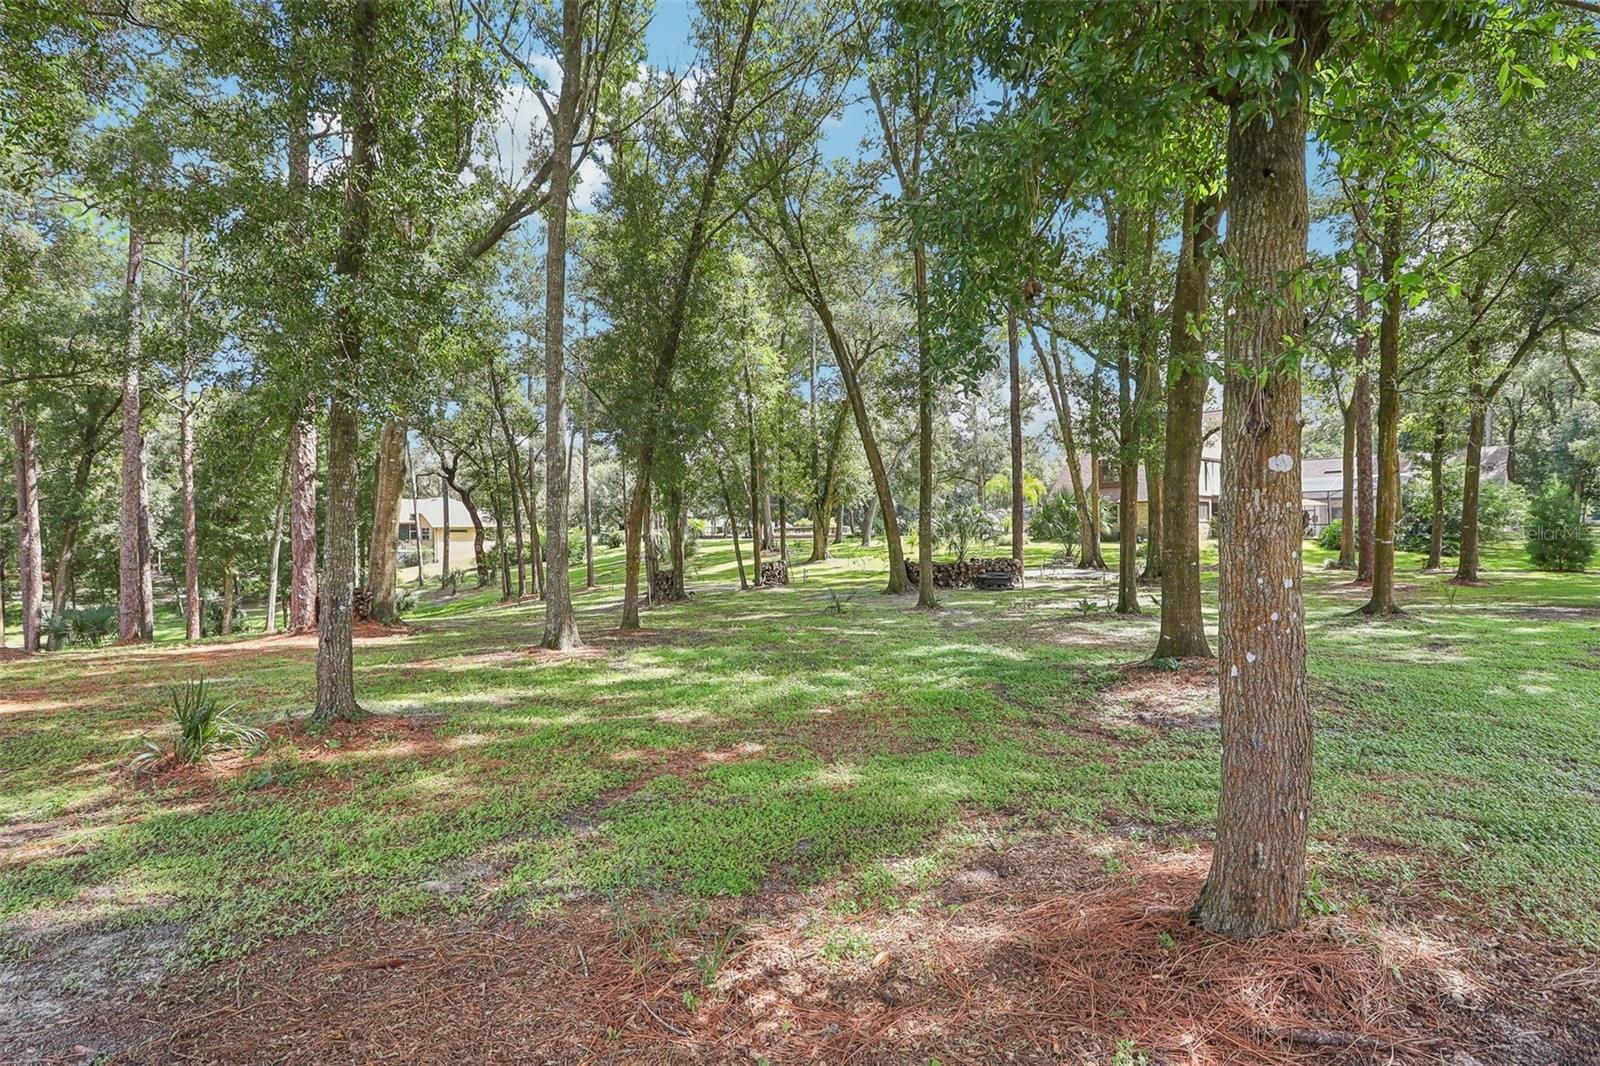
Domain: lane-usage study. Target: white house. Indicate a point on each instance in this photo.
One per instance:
(423, 519)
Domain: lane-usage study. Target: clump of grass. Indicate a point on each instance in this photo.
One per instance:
(205, 727)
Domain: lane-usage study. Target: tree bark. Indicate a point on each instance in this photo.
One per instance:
(1014, 366)
(588, 515)
(336, 691)
(444, 549)
(733, 528)
(677, 520)
(134, 610)
(1436, 469)
(275, 556)
(1388, 503)
(1183, 627)
(1258, 861)
(1061, 401)
(1477, 406)
(1155, 488)
(303, 526)
(230, 585)
(1365, 514)
(752, 440)
(30, 554)
(191, 542)
(384, 545)
(416, 517)
(1347, 524)
(925, 596)
(850, 374)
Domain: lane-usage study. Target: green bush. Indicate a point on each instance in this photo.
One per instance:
(1331, 535)
(1500, 510)
(86, 625)
(1557, 537)
(963, 526)
(211, 619)
(1056, 519)
(609, 538)
(205, 726)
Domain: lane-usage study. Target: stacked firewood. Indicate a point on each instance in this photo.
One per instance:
(361, 603)
(960, 575)
(775, 573)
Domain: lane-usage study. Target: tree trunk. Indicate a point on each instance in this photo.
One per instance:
(733, 528)
(1183, 626)
(1091, 533)
(30, 554)
(1056, 385)
(383, 548)
(588, 515)
(416, 517)
(1365, 514)
(133, 570)
(1156, 488)
(500, 543)
(757, 539)
(191, 543)
(925, 597)
(1436, 469)
(230, 585)
(1347, 523)
(867, 518)
(677, 520)
(634, 537)
(1258, 861)
(303, 526)
(444, 548)
(849, 373)
(1388, 509)
(274, 559)
(1467, 562)
(1014, 367)
(336, 690)
(1128, 538)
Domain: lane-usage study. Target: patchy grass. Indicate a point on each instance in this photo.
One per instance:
(790, 739)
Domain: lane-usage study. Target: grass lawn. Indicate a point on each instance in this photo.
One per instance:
(819, 769)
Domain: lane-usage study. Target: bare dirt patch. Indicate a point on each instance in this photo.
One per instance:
(1034, 954)
(1162, 698)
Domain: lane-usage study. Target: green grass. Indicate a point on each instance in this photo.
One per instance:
(790, 738)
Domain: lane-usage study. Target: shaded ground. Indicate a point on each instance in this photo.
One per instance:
(803, 826)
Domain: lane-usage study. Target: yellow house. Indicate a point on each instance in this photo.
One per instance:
(424, 519)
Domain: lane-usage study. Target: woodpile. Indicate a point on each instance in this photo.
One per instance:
(960, 575)
(774, 573)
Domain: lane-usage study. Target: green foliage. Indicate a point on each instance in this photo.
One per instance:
(205, 726)
(1500, 510)
(1558, 539)
(86, 625)
(1056, 519)
(961, 526)
(211, 619)
(1332, 534)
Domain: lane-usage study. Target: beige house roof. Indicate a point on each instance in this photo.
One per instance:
(430, 510)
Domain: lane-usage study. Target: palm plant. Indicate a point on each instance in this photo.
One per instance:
(205, 726)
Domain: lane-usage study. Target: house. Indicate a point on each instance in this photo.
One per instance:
(1111, 480)
(427, 515)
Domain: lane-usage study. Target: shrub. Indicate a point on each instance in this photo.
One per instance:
(405, 601)
(1557, 537)
(205, 726)
(211, 619)
(609, 538)
(1056, 519)
(1331, 534)
(963, 525)
(1500, 510)
(85, 625)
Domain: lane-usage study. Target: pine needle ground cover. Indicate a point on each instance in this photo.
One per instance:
(806, 821)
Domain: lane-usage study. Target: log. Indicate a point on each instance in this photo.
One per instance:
(775, 573)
